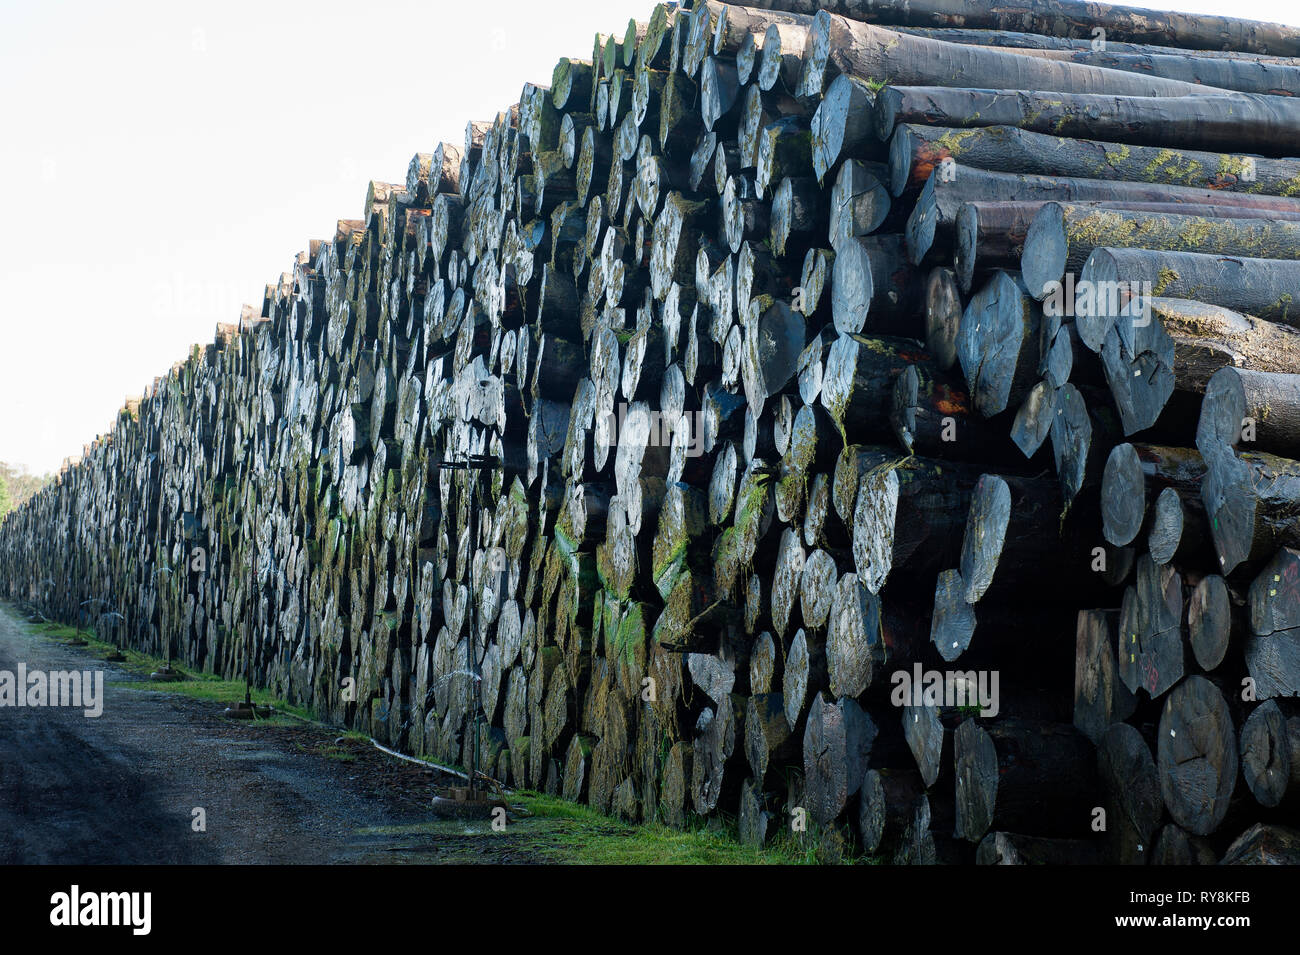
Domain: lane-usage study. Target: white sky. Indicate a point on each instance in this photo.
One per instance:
(161, 162)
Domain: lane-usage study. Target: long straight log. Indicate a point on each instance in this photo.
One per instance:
(1259, 124)
(1262, 289)
(914, 151)
(1062, 236)
(1251, 408)
(1038, 41)
(1061, 18)
(837, 45)
(1245, 76)
(993, 234)
(941, 198)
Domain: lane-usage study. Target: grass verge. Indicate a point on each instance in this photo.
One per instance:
(200, 686)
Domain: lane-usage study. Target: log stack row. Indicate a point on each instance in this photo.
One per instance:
(657, 444)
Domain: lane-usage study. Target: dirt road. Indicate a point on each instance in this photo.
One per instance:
(124, 787)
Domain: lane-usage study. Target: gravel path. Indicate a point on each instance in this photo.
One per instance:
(123, 787)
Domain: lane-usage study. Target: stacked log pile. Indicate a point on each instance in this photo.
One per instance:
(636, 447)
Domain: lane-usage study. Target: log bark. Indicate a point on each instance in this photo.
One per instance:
(1256, 124)
(838, 46)
(1057, 18)
(1062, 236)
(939, 202)
(914, 151)
(1244, 76)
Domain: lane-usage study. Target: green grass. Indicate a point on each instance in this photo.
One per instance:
(199, 686)
(580, 834)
